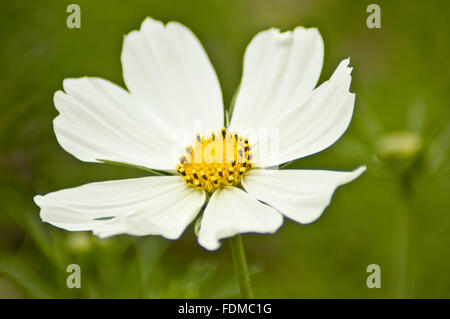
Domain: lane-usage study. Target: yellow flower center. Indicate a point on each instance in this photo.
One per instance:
(220, 159)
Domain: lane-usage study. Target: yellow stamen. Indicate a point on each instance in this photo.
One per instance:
(215, 161)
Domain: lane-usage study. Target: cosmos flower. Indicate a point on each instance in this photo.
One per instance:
(172, 86)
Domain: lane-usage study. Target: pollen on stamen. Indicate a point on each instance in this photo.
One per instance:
(211, 162)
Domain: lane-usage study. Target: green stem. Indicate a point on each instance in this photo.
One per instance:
(240, 266)
(405, 263)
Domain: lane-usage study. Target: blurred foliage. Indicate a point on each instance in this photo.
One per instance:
(400, 130)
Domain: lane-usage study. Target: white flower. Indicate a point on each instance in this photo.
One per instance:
(172, 85)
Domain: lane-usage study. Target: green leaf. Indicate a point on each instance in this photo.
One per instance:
(231, 108)
(153, 171)
(197, 225)
(23, 275)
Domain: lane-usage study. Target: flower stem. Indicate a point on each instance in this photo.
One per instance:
(406, 263)
(240, 266)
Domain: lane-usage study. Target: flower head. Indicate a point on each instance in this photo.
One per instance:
(172, 87)
(216, 161)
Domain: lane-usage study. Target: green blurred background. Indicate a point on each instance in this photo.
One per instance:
(396, 215)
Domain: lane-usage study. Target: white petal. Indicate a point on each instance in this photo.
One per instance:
(315, 125)
(231, 211)
(301, 195)
(280, 71)
(155, 205)
(100, 120)
(167, 68)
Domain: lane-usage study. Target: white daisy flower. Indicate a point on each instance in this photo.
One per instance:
(172, 85)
